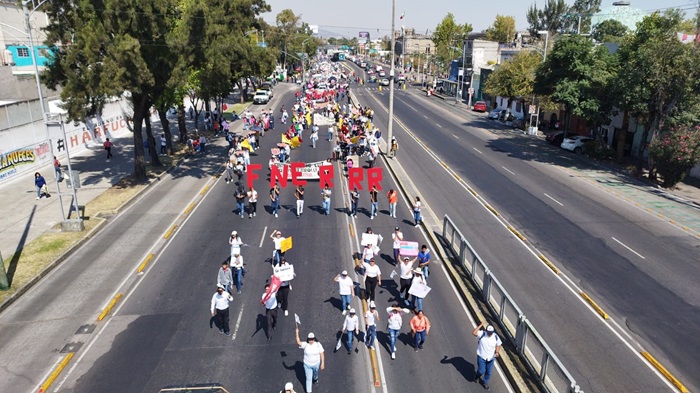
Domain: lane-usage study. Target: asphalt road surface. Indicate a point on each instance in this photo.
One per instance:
(652, 298)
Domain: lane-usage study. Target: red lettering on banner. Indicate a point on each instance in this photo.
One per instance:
(355, 178)
(250, 174)
(374, 178)
(86, 137)
(73, 141)
(115, 126)
(325, 176)
(98, 131)
(122, 123)
(276, 176)
(296, 172)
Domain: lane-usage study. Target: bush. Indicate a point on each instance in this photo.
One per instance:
(675, 152)
(597, 150)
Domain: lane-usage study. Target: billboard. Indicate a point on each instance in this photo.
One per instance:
(364, 34)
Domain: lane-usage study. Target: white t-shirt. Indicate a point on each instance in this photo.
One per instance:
(278, 242)
(312, 353)
(486, 348)
(271, 302)
(252, 196)
(397, 239)
(351, 323)
(345, 285)
(371, 271)
(406, 270)
(369, 317)
(368, 253)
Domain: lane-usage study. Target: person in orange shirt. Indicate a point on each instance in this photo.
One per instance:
(393, 197)
(420, 327)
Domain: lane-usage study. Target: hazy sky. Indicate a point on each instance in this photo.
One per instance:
(348, 17)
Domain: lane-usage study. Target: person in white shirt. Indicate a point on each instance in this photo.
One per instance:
(270, 302)
(373, 277)
(395, 322)
(367, 253)
(252, 202)
(418, 279)
(371, 319)
(406, 268)
(314, 358)
(351, 325)
(486, 352)
(288, 388)
(220, 310)
(237, 269)
(277, 240)
(346, 289)
(396, 237)
(283, 292)
(235, 242)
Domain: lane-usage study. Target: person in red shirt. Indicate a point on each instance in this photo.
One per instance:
(393, 197)
(57, 168)
(108, 146)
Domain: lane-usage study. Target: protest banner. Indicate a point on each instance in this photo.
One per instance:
(286, 244)
(371, 239)
(408, 249)
(419, 290)
(284, 273)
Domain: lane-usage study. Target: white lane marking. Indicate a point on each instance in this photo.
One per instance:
(455, 136)
(560, 204)
(238, 323)
(477, 150)
(426, 117)
(262, 239)
(43, 379)
(438, 125)
(508, 170)
(627, 247)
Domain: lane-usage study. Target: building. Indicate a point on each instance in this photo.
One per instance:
(620, 11)
(412, 49)
(13, 35)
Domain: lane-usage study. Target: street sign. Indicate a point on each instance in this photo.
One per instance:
(471, 91)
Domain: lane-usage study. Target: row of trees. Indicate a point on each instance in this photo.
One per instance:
(652, 76)
(157, 52)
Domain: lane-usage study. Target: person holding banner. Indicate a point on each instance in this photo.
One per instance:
(405, 278)
(277, 239)
(418, 280)
(269, 300)
(285, 287)
(373, 277)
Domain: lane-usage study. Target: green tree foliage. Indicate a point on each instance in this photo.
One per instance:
(288, 36)
(448, 34)
(549, 18)
(514, 78)
(610, 30)
(581, 11)
(502, 30)
(660, 75)
(675, 152)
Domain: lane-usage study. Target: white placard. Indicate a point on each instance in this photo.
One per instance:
(296, 319)
(284, 273)
(393, 274)
(419, 290)
(369, 238)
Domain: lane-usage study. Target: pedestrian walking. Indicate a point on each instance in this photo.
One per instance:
(346, 289)
(417, 302)
(326, 195)
(314, 358)
(299, 195)
(371, 319)
(240, 201)
(351, 326)
(283, 291)
(252, 202)
(417, 206)
(373, 277)
(270, 303)
(420, 328)
(330, 133)
(57, 168)
(220, 309)
(367, 253)
(277, 239)
(40, 184)
(162, 143)
(229, 171)
(224, 278)
(275, 198)
(394, 147)
(373, 198)
(405, 278)
(424, 260)
(202, 144)
(488, 347)
(314, 136)
(237, 270)
(354, 198)
(393, 197)
(288, 388)
(235, 242)
(108, 146)
(397, 238)
(395, 322)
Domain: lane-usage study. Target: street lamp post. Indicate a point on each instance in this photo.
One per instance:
(390, 127)
(546, 41)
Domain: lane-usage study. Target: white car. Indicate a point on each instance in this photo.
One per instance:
(261, 97)
(576, 143)
(384, 82)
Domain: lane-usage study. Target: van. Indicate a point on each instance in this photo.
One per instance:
(267, 86)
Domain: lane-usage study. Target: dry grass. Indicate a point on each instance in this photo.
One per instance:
(38, 254)
(237, 107)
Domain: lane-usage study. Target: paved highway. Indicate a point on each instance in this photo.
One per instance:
(574, 225)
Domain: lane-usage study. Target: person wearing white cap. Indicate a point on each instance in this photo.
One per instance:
(371, 319)
(351, 325)
(417, 302)
(219, 309)
(288, 388)
(314, 359)
(395, 321)
(486, 352)
(346, 289)
(236, 242)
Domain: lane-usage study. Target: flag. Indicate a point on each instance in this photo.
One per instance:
(295, 142)
(297, 320)
(246, 145)
(272, 289)
(402, 15)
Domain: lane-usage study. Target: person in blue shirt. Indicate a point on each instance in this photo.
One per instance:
(424, 260)
(39, 182)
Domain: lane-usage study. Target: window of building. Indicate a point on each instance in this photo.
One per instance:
(22, 52)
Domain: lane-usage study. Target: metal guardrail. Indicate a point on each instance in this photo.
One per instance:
(531, 347)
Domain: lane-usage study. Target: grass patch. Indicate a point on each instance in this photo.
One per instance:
(237, 107)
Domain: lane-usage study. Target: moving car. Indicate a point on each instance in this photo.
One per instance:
(267, 86)
(261, 97)
(384, 82)
(576, 143)
(479, 106)
(382, 73)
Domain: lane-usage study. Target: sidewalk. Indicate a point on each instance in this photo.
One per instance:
(680, 206)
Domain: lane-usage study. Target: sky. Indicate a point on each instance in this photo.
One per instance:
(348, 17)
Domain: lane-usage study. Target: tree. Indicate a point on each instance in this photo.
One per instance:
(549, 18)
(609, 30)
(675, 153)
(449, 34)
(660, 75)
(514, 78)
(503, 29)
(580, 13)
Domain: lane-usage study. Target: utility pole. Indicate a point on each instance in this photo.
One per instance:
(390, 127)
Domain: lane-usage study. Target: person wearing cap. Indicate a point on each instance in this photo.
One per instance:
(351, 325)
(406, 268)
(224, 278)
(237, 269)
(277, 239)
(288, 388)
(270, 311)
(420, 327)
(396, 238)
(314, 358)
(346, 289)
(220, 309)
(395, 322)
(235, 242)
(373, 277)
(417, 302)
(371, 319)
(486, 352)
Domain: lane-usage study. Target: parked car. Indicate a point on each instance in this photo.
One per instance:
(382, 73)
(497, 114)
(479, 106)
(267, 86)
(576, 143)
(372, 79)
(261, 97)
(384, 82)
(555, 138)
